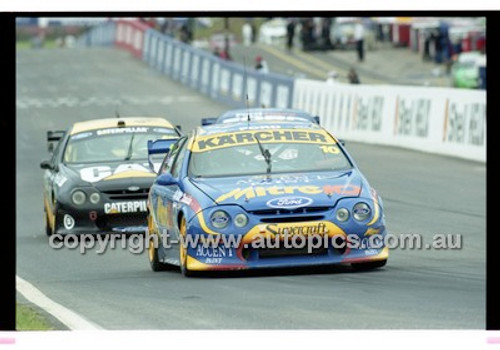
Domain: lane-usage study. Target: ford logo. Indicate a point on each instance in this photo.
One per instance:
(219, 220)
(134, 188)
(361, 211)
(289, 202)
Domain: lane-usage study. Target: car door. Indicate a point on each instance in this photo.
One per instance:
(162, 197)
(50, 176)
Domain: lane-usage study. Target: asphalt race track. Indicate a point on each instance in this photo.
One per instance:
(423, 194)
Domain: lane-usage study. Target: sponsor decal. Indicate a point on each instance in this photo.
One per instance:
(164, 131)
(213, 252)
(81, 135)
(59, 180)
(367, 243)
(125, 207)
(289, 202)
(281, 179)
(98, 173)
(371, 252)
(261, 191)
(138, 129)
(289, 154)
(297, 229)
(348, 190)
(182, 197)
(211, 142)
(68, 222)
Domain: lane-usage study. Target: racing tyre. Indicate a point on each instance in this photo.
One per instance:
(48, 228)
(154, 262)
(369, 265)
(183, 250)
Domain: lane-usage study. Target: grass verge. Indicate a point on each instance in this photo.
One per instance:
(28, 319)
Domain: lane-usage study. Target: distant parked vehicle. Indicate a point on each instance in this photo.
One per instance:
(465, 71)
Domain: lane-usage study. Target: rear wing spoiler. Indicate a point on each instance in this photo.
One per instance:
(208, 121)
(161, 146)
(54, 136)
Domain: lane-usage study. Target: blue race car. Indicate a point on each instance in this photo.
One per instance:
(262, 114)
(262, 194)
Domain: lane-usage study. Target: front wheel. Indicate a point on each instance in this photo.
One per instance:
(154, 262)
(48, 228)
(369, 265)
(183, 249)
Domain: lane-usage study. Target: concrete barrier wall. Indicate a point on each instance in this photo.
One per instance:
(101, 35)
(222, 80)
(438, 120)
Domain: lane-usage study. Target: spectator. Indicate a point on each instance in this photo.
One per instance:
(217, 51)
(427, 46)
(246, 32)
(325, 33)
(225, 55)
(164, 26)
(290, 34)
(359, 38)
(306, 34)
(332, 77)
(185, 34)
(254, 33)
(353, 76)
(261, 65)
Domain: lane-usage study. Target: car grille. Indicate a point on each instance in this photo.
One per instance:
(269, 253)
(294, 215)
(107, 222)
(265, 253)
(128, 195)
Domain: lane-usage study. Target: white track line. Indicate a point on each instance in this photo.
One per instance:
(70, 318)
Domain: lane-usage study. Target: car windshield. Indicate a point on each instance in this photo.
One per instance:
(248, 159)
(109, 145)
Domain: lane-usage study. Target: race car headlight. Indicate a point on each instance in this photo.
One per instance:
(361, 211)
(78, 197)
(219, 219)
(241, 220)
(95, 198)
(342, 214)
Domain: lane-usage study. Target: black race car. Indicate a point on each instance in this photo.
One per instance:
(98, 178)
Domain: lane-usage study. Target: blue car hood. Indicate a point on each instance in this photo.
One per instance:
(286, 191)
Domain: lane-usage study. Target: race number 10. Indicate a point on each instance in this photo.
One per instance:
(330, 149)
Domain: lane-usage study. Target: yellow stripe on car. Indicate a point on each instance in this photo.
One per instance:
(376, 215)
(129, 174)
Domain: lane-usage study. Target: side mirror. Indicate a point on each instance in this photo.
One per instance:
(316, 119)
(166, 180)
(50, 147)
(158, 147)
(208, 121)
(342, 142)
(46, 165)
(178, 127)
